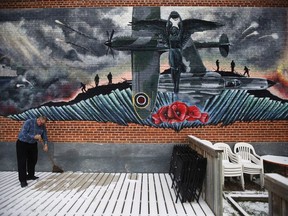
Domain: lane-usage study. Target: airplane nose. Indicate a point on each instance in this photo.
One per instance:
(270, 83)
(108, 43)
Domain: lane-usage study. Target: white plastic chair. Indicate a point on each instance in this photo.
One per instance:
(252, 163)
(231, 162)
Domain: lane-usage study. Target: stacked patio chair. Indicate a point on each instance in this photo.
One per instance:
(231, 163)
(252, 162)
(187, 171)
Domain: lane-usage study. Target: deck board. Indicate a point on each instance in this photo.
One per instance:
(101, 194)
(152, 196)
(91, 196)
(112, 201)
(128, 202)
(137, 196)
(144, 204)
(162, 207)
(167, 194)
(73, 198)
(77, 203)
(11, 202)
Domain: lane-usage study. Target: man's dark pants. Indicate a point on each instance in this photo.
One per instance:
(27, 156)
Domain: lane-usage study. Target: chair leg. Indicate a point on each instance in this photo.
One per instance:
(242, 182)
(262, 180)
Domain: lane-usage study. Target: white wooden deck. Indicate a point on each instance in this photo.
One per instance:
(99, 194)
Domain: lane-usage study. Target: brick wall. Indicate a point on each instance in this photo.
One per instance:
(94, 132)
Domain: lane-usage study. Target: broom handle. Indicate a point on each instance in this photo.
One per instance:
(51, 159)
(49, 155)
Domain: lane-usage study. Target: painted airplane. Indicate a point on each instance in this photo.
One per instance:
(150, 38)
(196, 83)
(188, 77)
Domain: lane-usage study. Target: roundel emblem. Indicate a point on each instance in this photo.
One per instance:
(141, 100)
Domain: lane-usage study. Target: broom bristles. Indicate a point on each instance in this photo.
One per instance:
(57, 169)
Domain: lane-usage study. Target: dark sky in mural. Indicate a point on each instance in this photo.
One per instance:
(257, 36)
(50, 60)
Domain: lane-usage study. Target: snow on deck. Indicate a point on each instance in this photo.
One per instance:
(99, 194)
(276, 159)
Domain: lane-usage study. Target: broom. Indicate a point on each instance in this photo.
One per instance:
(55, 168)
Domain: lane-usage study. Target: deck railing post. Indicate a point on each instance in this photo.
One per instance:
(212, 189)
(277, 186)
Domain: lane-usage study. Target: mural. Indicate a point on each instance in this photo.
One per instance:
(165, 67)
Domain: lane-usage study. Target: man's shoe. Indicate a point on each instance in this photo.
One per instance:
(32, 178)
(23, 184)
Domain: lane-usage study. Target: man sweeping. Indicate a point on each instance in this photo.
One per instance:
(32, 131)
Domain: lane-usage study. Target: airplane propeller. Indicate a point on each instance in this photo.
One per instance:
(224, 45)
(108, 43)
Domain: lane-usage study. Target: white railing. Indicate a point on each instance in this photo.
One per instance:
(277, 186)
(212, 188)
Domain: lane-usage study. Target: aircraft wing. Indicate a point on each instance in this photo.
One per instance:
(145, 64)
(145, 76)
(197, 25)
(190, 53)
(155, 26)
(191, 26)
(146, 21)
(192, 59)
(158, 26)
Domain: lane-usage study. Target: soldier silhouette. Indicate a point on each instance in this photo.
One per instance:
(217, 65)
(96, 80)
(246, 71)
(109, 76)
(232, 66)
(83, 87)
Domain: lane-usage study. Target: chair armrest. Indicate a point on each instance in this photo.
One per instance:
(255, 159)
(256, 155)
(235, 158)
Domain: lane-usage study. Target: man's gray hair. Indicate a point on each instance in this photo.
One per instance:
(43, 118)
